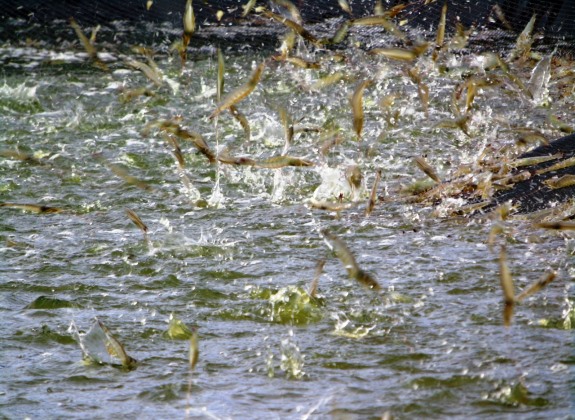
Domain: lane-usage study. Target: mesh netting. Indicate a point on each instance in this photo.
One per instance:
(504, 19)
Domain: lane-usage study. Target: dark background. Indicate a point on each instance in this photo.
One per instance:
(553, 16)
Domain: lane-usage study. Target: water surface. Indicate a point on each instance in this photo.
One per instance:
(235, 255)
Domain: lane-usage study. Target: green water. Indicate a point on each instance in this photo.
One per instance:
(236, 261)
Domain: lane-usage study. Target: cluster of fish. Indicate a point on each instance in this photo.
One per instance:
(493, 170)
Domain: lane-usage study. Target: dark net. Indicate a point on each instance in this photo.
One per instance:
(499, 20)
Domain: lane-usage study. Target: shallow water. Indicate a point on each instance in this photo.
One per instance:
(236, 262)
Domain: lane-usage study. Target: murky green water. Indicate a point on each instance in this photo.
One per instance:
(431, 344)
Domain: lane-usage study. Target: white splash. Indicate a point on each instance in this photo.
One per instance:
(20, 93)
(333, 184)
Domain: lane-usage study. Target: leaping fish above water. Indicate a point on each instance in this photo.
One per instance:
(116, 349)
(507, 287)
(509, 298)
(346, 257)
(121, 172)
(138, 222)
(174, 128)
(32, 208)
(273, 162)
(88, 44)
(240, 93)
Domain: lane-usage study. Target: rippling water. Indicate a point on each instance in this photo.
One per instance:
(237, 262)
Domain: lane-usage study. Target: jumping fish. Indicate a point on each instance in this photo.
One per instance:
(151, 73)
(287, 124)
(340, 34)
(346, 257)
(529, 135)
(401, 54)
(314, 284)
(177, 329)
(194, 349)
(440, 38)
(422, 88)
(497, 229)
(248, 7)
(473, 84)
(88, 45)
(241, 118)
(330, 206)
(189, 28)
(427, 169)
(32, 208)
(512, 76)
(225, 157)
(291, 8)
(123, 173)
(562, 225)
(501, 16)
(562, 182)
(538, 285)
(221, 71)
(240, 93)
(179, 157)
(382, 21)
(137, 221)
(524, 40)
(507, 287)
(460, 122)
(354, 177)
(127, 95)
(294, 26)
(357, 107)
(177, 152)
(14, 154)
(282, 161)
(116, 349)
(328, 80)
(174, 128)
(566, 163)
(300, 62)
(557, 123)
(238, 116)
(460, 37)
(345, 6)
(373, 195)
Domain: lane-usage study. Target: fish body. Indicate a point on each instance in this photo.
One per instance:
(346, 257)
(282, 161)
(373, 195)
(115, 348)
(32, 208)
(427, 169)
(507, 287)
(137, 221)
(357, 107)
(240, 93)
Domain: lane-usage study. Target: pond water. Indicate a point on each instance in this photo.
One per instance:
(232, 250)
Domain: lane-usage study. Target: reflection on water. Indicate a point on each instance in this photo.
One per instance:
(232, 249)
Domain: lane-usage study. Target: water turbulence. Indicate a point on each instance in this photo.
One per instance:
(349, 223)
